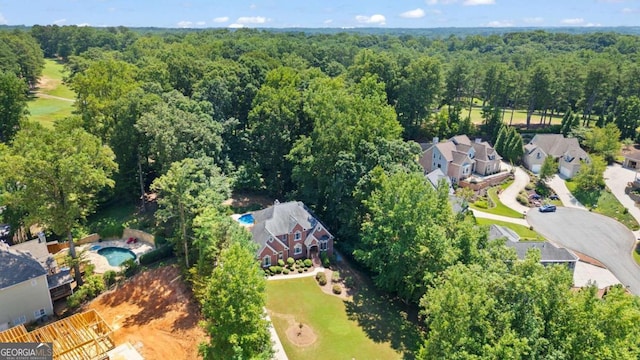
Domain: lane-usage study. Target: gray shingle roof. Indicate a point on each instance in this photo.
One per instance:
(279, 219)
(497, 232)
(557, 145)
(17, 266)
(548, 252)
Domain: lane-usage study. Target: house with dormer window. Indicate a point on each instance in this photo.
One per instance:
(459, 158)
(566, 151)
(289, 230)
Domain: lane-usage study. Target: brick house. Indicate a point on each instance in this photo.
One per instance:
(289, 230)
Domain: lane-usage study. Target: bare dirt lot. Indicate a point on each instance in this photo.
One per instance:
(156, 313)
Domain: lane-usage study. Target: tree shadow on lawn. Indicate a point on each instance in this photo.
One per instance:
(383, 318)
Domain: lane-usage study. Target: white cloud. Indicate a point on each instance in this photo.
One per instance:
(221, 19)
(376, 19)
(252, 20)
(593, 24)
(236, 26)
(60, 21)
(478, 2)
(184, 24)
(3, 20)
(533, 20)
(443, 2)
(201, 23)
(328, 21)
(500, 23)
(413, 14)
(573, 21)
(83, 25)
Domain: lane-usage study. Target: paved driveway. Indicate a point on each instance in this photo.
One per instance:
(508, 196)
(594, 235)
(560, 188)
(616, 177)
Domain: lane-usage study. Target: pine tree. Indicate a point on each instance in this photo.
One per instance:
(500, 140)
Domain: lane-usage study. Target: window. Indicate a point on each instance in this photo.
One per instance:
(39, 313)
(270, 239)
(323, 245)
(297, 250)
(538, 155)
(21, 320)
(434, 155)
(266, 261)
(298, 236)
(284, 237)
(280, 255)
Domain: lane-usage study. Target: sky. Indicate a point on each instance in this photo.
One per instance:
(321, 13)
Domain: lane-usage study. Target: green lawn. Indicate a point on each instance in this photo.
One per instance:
(109, 221)
(499, 208)
(525, 233)
(519, 116)
(636, 256)
(46, 110)
(369, 327)
(605, 203)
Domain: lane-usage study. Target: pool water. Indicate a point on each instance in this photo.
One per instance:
(95, 247)
(246, 219)
(116, 256)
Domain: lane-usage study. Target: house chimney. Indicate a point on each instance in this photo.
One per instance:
(478, 140)
(276, 202)
(436, 140)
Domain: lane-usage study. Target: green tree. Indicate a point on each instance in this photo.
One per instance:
(233, 308)
(604, 141)
(628, 117)
(58, 175)
(538, 90)
(591, 174)
(548, 170)
(13, 105)
(188, 187)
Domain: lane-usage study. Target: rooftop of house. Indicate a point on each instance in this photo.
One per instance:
(632, 153)
(548, 251)
(17, 266)
(37, 249)
(497, 232)
(436, 176)
(556, 145)
(279, 219)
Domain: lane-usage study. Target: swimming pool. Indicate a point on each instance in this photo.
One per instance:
(246, 219)
(116, 256)
(95, 247)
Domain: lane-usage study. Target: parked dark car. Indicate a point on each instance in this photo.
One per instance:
(554, 197)
(547, 208)
(535, 197)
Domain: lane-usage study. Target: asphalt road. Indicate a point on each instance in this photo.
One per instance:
(594, 235)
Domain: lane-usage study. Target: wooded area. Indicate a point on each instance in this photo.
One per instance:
(326, 119)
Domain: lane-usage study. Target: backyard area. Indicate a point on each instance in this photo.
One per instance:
(493, 205)
(155, 312)
(524, 232)
(364, 326)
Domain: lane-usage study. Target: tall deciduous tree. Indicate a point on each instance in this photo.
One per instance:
(548, 169)
(13, 105)
(233, 308)
(188, 187)
(603, 141)
(538, 90)
(59, 173)
(628, 117)
(591, 174)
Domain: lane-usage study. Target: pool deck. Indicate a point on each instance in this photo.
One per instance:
(101, 263)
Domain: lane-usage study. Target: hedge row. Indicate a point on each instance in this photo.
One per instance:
(158, 254)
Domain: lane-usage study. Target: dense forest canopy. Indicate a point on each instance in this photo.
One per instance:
(325, 117)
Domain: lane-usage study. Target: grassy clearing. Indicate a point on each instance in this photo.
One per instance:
(47, 110)
(636, 256)
(605, 203)
(519, 116)
(111, 220)
(365, 328)
(525, 233)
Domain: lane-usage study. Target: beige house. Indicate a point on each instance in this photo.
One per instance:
(631, 159)
(566, 151)
(459, 158)
(24, 290)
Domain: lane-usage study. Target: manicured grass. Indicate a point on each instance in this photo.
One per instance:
(605, 203)
(499, 208)
(47, 110)
(110, 221)
(519, 116)
(525, 233)
(368, 327)
(636, 257)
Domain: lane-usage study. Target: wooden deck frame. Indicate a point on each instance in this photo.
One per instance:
(80, 336)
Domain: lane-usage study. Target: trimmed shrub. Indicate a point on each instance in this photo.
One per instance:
(299, 262)
(109, 277)
(130, 268)
(275, 269)
(285, 271)
(158, 254)
(522, 200)
(300, 271)
(290, 261)
(308, 263)
(530, 186)
(92, 287)
(337, 289)
(335, 277)
(325, 259)
(321, 277)
(281, 263)
(482, 204)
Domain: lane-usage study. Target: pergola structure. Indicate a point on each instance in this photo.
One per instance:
(80, 336)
